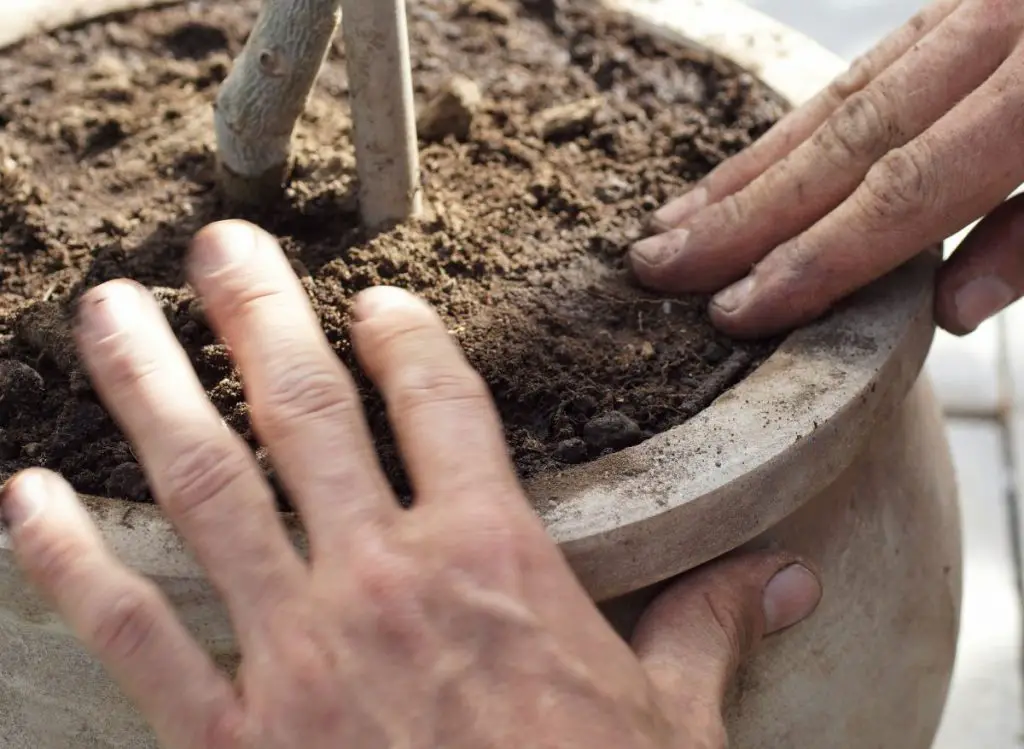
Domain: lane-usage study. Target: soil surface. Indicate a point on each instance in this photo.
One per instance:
(583, 126)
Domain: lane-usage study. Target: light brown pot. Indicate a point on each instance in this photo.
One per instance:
(834, 448)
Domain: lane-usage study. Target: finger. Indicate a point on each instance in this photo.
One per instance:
(120, 617)
(696, 634)
(305, 406)
(719, 245)
(986, 273)
(958, 170)
(444, 420)
(204, 476)
(739, 171)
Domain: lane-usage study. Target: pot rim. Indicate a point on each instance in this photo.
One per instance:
(706, 487)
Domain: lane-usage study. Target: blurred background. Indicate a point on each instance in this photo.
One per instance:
(980, 380)
(847, 27)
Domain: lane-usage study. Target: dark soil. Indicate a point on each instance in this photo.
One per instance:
(106, 171)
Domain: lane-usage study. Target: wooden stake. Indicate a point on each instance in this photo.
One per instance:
(380, 89)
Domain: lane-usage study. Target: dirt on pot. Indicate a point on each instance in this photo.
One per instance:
(567, 127)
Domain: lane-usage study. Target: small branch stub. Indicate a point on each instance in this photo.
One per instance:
(383, 114)
(262, 99)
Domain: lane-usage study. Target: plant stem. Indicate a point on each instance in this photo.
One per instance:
(384, 121)
(262, 99)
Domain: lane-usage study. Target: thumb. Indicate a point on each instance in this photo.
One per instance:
(986, 273)
(695, 635)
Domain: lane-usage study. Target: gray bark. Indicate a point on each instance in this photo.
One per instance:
(265, 94)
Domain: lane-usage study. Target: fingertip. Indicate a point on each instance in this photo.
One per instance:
(732, 299)
(26, 495)
(945, 314)
(653, 226)
(224, 244)
(766, 303)
(654, 260)
(658, 251)
(225, 228)
(729, 311)
(382, 300)
(732, 324)
(107, 309)
(222, 231)
(683, 208)
(977, 300)
(791, 595)
(695, 635)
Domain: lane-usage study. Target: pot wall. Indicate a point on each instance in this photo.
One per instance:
(872, 666)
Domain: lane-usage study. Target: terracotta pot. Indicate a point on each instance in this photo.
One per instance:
(833, 448)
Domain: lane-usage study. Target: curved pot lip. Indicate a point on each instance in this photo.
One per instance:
(782, 434)
(755, 455)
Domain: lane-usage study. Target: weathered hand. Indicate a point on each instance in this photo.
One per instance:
(456, 623)
(921, 137)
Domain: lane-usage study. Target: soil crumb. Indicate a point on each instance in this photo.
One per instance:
(555, 130)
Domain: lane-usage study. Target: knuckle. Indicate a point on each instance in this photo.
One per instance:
(311, 663)
(998, 15)
(717, 737)
(431, 385)
(858, 131)
(919, 20)
(240, 294)
(392, 592)
(798, 261)
(127, 625)
(300, 389)
(51, 558)
(855, 78)
(732, 210)
(225, 729)
(803, 277)
(122, 365)
(495, 546)
(703, 722)
(311, 659)
(388, 581)
(202, 473)
(898, 186)
(730, 627)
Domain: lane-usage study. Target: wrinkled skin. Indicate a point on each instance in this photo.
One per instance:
(921, 137)
(455, 624)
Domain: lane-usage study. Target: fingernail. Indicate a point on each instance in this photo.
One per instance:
(660, 248)
(679, 210)
(979, 299)
(733, 297)
(790, 597)
(22, 499)
(381, 299)
(224, 245)
(109, 309)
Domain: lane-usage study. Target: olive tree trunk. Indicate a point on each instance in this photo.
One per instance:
(266, 92)
(269, 85)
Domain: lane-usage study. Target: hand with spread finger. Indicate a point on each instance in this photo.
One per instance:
(921, 137)
(456, 623)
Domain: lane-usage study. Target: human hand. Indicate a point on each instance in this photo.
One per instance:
(456, 623)
(918, 139)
